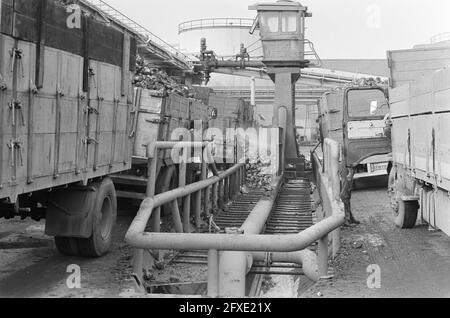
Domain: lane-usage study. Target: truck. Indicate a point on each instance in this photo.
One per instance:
(355, 118)
(419, 183)
(160, 118)
(66, 114)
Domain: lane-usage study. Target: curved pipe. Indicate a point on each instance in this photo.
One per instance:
(227, 242)
(306, 258)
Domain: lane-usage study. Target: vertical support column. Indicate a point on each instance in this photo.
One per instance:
(215, 203)
(176, 217)
(285, 97)
(182, 183)
(253, 91)
(138, 254)
(187, 214)
(226, 190)
(221, 194)
(322, 258)
(198, 208)
(213, 273)
(204, 177)
(233, 269)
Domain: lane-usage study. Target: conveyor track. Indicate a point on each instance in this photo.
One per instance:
(292, 214)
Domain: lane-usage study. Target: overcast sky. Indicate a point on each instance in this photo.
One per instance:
(339, 28)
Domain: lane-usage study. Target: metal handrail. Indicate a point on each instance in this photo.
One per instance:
(442, 37)
(138, 29)
(214, 23)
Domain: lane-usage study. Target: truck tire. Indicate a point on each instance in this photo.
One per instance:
(67, 246)
(407, 214)
(104, 219)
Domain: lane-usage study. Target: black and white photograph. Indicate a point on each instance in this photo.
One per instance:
(224, 154)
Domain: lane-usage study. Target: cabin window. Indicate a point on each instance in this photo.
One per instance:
(271, 22)
(289, 22)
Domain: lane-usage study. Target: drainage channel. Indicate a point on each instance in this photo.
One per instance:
(292, 214)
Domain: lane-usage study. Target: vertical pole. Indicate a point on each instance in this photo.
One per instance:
(221, 194)
(285, 97)
(187, 214)
(233, 269)
(138, 254)
(176, 217)
(214, 202)
(213, 273)
(253, 92)
(181, 183)
(204, 177)
(198, 208)
(226, 190)
(323, 257)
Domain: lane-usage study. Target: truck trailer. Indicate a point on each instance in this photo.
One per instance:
(65, 121)
(419, 182)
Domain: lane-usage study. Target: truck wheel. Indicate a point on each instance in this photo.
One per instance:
(67, 246)
(406, 216)
(105, 215)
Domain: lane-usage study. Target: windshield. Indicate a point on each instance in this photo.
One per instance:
(367, 103)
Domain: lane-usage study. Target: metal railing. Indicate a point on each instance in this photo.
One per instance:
(248, 241)
(147, 36)
(442, 37)
(212, 192)
(215, 23)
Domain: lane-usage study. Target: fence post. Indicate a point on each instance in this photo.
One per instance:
(176, 217)
(221, 194)
(214, 197)
(226, 190)
(204, 177)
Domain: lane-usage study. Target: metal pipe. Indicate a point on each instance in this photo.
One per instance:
(232, 272)
(258, 217)
(253, 91)
(224, 242)
(235, 265)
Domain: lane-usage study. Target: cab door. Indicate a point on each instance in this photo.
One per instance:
(365, 111)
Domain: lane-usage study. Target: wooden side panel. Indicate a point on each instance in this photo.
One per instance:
(427, 110)
(410, 65)
(421, 142)
(399, 99)
(443, 145)
(400, 149)
(147, 132)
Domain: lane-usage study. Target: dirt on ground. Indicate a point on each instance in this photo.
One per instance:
(410, 263)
